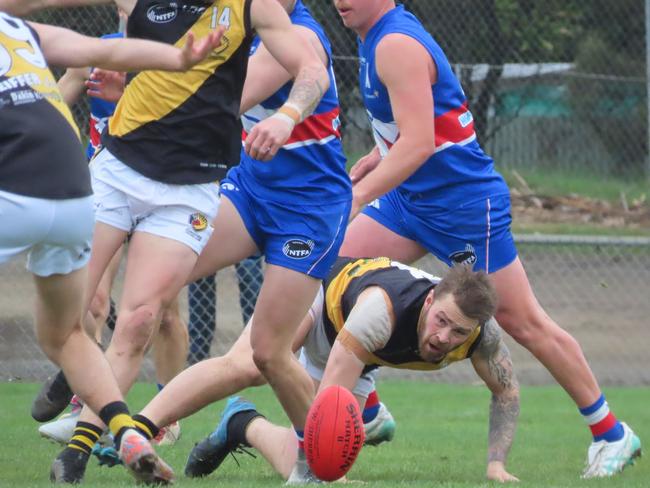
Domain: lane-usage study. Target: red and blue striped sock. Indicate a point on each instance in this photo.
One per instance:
(371, 408)
(300, 435)
(603, 424)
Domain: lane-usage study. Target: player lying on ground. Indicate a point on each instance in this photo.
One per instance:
(51, 215)
(368, 313)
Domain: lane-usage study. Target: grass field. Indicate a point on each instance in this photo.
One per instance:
(440, 441)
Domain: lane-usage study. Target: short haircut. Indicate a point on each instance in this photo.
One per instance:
(473, 292)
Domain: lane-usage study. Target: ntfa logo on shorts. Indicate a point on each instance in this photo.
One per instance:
(467, 256)
(162, 14)
(198, 221)
(297, 248)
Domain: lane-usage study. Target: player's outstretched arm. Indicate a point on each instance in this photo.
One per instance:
(72, 84)
(26, 7)
(299, 59)
(63, 47)
(368, 328)
(493, 363)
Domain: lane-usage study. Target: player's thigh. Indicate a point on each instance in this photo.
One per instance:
(229, 243)
(156, 270)
(380, 231)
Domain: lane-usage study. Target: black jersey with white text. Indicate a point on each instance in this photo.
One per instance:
(407, 289)
(40, 150)
(184, 127)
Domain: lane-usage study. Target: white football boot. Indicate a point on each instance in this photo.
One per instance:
(381, 428)
(608, 458)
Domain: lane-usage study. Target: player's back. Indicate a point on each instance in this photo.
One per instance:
(40, 151)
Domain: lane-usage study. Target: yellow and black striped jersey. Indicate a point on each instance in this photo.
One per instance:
(40, 151)
(184, 128)
(407, 289)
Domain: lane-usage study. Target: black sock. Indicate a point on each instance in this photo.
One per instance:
(145, 426)
(84, 437)
(116, 416)
(237, 427)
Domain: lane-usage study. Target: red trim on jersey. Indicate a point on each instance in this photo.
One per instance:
(604, 425)
(93, 133)
(448, 128)
(316, 126)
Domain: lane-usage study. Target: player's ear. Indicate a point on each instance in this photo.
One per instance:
(428, 301)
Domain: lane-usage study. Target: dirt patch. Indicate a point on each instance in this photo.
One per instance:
(532, 208)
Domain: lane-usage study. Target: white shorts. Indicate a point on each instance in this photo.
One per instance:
(129, 201)
(316, 350)
(57, 233)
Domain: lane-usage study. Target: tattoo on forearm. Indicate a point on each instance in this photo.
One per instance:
(504, 409)
(306, 91)
(504, 412)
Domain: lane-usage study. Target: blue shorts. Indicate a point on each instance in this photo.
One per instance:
(476, 232)
(304, 238)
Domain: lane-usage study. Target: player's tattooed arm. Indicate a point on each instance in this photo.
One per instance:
(307, 90)
(493, 363)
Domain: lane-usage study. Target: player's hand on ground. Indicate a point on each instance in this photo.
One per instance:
(106, 85)
(194, 51)
(496, 471)
(365, 165)
(266, 138)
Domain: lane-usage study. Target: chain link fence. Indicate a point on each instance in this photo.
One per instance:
(595, 287)
(554, 86)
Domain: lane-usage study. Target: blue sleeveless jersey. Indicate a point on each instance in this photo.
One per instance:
(100, 111)
(459, 165)
(310, 167)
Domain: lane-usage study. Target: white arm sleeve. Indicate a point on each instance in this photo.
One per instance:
(370, 321)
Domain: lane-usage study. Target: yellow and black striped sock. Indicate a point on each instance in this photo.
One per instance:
(84, 437)
(116, 416)
(145, 426)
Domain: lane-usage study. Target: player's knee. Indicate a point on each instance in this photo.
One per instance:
(267, 361)
(246, 372)
(99, 305)
(529, 328)
(53, 344)
(135, 326)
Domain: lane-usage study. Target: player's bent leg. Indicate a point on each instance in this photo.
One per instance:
(59, 331)
(520, 315)
(277, 318)
(55, 394)
(365, 237)
(204, 383)
(615, 445)
(170, 350)
(100, 304)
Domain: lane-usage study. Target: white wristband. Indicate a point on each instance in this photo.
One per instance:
(284, 117)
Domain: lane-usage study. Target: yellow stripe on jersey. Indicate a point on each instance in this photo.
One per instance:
(25, 65)
(340, 283)
(334, 295)
(152, 95)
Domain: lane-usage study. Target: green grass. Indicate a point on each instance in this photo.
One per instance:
(441, 440)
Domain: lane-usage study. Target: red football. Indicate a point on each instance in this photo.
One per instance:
(334, 433)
